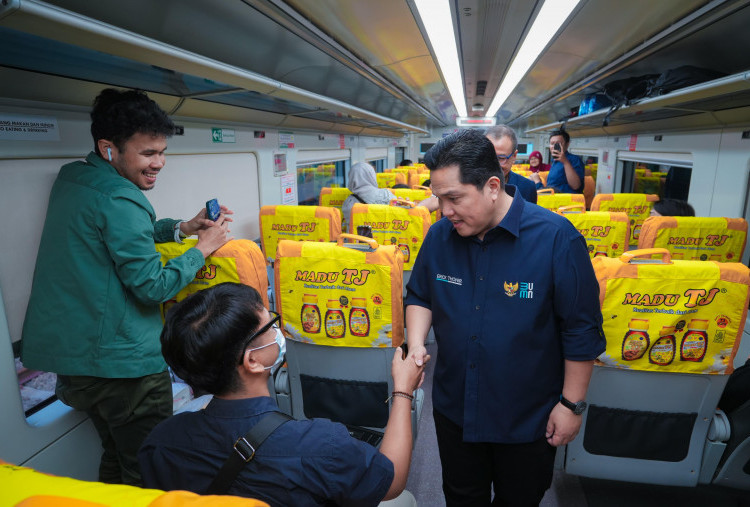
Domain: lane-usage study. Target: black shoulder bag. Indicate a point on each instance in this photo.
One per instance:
(244, 450)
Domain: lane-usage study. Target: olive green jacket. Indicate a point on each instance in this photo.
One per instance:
(98, 282)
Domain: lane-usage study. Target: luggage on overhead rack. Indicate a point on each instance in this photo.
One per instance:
(681, 77)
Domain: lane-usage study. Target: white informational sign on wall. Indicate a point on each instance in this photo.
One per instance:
(288, 193)
(28, 128)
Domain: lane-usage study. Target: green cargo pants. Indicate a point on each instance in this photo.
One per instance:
(124, 411)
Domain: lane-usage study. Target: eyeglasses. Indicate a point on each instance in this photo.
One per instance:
(274, 322)
(503, 158)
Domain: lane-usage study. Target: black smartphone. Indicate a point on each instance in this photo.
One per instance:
(558, 147)
(213, 210)
(364, 230)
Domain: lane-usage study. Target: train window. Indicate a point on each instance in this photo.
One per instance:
(423, 147)
(400, 153)
(312, 177)
(378, 164)
(651, 178)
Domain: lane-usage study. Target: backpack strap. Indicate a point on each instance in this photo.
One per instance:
(244, 450)
(359, 198)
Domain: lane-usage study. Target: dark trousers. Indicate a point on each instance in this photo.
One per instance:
(519, 473)
(124, 411)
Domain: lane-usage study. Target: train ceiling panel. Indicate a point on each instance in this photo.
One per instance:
(342, 65)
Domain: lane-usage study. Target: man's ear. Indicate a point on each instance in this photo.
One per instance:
(494, 185)
(250, 364)
(103, 144)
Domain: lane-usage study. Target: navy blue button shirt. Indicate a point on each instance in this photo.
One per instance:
(506, 312)
(559, 181)
(524, 185)
(312, 462)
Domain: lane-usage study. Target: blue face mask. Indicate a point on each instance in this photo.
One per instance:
(279, 340)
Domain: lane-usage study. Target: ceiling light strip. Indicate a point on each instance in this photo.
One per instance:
(437, 21)
(551, 17)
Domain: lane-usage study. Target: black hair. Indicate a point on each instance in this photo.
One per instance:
(562, 133)
(203, 335)
(674, 208)
(400, 185)
(472, 152)
(427, 183)
(117, 115)
(404, 162)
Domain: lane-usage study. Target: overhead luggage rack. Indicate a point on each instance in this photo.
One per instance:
(718, 103)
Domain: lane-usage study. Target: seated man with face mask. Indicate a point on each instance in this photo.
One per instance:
(222, 340)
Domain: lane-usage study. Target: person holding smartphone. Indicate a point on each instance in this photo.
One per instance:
(566, 175)
(93, 315)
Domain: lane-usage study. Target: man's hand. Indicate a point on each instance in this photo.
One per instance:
(213, 235)
(407, 376)
(562, 426)
(418, 354)
(199, 221)
(535, 177)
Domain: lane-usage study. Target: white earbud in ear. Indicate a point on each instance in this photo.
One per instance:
(109, 153)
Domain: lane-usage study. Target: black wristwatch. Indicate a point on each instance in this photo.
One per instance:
(577, 408)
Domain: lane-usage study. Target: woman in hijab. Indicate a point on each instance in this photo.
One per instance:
(364, 187)
(535, 162)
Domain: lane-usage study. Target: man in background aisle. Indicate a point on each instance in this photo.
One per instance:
(93, 315)
(517, 329)
(504, 139)
(567, 173)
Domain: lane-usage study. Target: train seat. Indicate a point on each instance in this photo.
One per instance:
(333, 197)
(734, 468)
(549, 199)
(589, 187)
(339, 369)
(297, 223)
(653, 397)
(403, 224)
(696, 238)
(30, 488)
(637, 206)
(239, 260)
(645, 426)
(344, 384)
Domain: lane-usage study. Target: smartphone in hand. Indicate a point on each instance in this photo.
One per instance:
(364, 230)
(213, 210)
(558, 147)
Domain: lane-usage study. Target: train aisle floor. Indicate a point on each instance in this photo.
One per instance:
(425, 481)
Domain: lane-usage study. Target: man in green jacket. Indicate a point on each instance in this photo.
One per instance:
(93, 316)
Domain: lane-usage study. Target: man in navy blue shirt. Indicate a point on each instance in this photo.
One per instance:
(504, 139)
(511, 294)
(567, 172)
(223, 341)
